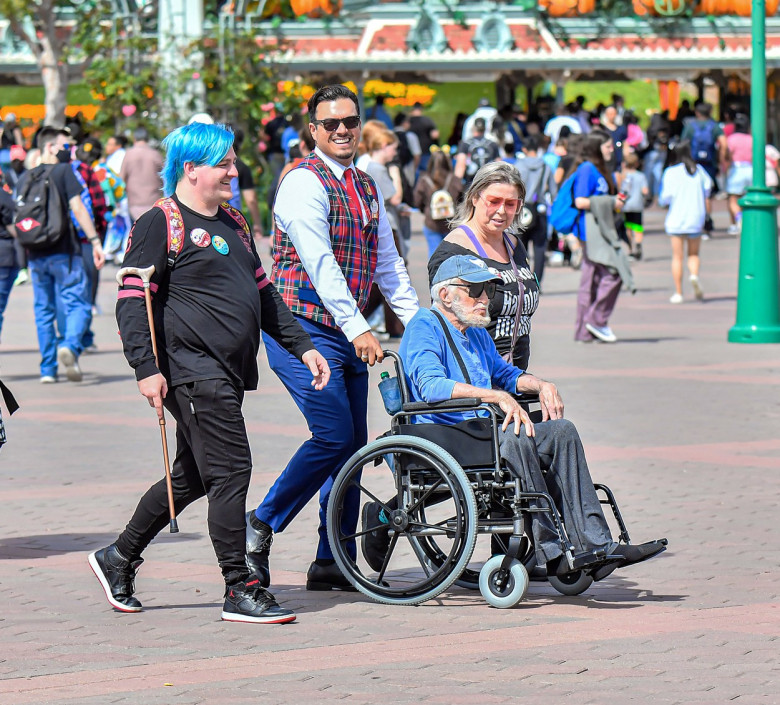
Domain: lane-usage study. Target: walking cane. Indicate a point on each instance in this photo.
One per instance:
(145, 275)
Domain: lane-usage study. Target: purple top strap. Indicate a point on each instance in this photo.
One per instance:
(481, 250)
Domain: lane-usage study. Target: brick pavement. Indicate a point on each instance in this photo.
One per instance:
(680, 423)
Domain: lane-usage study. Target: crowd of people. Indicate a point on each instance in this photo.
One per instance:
(342, 194)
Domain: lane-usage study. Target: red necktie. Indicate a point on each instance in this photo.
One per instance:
(352, 194)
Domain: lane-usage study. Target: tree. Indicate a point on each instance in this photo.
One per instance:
(53, 42)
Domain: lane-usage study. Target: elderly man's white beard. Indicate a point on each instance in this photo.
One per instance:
(470, 320)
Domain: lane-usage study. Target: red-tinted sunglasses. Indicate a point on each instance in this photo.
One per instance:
(510, 204)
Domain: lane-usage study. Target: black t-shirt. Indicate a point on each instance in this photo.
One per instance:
(503, 305)
(68, 185)
(245, 180)
(422, 126)
(207, 311)
(480, 151)
(7, 251)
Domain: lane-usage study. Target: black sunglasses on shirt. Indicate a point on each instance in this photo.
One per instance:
(332, 124)
(475, 290)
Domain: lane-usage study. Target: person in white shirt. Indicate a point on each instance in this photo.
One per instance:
(331, 241)
(566, 115)
(115, 149)
(685, 188)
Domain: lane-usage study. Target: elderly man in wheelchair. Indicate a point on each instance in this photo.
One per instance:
(458, 387)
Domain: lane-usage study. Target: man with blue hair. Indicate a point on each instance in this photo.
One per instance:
(211, 299)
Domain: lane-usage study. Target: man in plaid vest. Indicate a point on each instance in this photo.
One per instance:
(331, 242)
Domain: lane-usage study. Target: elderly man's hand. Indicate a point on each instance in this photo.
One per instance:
(550, 401)
(514, 414)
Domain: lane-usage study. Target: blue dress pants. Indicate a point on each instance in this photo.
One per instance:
(336, 417)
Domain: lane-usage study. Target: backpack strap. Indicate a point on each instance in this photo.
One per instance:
(175, 228)
(236, 215)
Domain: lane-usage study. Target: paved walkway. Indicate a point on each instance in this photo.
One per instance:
(682, 425)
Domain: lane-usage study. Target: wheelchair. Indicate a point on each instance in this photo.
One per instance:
(439, 488)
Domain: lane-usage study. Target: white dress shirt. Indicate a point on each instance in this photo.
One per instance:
(301, 210)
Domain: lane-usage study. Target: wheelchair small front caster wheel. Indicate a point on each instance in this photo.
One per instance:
(506, 594)
(572, 583)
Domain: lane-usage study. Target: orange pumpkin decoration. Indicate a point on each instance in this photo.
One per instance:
(743, 8)
(568, 8)
(314, 8)
(670, 7)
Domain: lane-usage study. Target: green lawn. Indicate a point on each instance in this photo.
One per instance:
(452, 98)
(78, 94)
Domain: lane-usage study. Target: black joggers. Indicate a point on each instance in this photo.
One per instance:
(212, 459)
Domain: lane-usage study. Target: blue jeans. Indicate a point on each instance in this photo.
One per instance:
(336, 417)
(654, 166)
(7, 277)
(59, 280)
(433, 239)
(91, 272)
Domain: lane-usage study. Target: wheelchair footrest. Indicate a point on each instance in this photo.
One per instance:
(579, 560)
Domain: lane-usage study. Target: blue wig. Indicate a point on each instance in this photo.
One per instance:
(197, 143)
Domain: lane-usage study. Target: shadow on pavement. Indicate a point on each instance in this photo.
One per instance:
(41, 545)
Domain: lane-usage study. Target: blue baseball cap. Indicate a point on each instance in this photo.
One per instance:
(469, 268)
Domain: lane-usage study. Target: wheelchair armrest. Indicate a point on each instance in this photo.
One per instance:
(416, 406)
(527, 398)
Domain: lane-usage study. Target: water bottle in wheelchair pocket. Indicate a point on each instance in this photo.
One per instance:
(391, 393)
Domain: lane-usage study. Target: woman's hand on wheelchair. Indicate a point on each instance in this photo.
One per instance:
(514, 413)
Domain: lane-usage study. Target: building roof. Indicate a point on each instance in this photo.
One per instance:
(383, 42)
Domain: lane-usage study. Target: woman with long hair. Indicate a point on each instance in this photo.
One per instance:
(739, 176)
(599, 286)
(483, 226)
(438, 176)
(685, 188)
(381, 148)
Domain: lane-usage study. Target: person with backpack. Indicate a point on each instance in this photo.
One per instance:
(45, 195)
(9, 262)
(708, 149)
(211, 299)
(540, 191)
(475, 152)
(685, 187)
(436, 193)
(599, 285)
(94, 199)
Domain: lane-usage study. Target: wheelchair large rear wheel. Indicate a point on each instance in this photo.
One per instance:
(418, 493)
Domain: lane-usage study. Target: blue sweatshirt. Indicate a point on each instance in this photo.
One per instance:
(432, 369)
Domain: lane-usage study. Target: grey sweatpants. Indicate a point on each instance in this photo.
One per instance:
(554, 462)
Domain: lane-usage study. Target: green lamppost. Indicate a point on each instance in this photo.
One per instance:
(758, 293)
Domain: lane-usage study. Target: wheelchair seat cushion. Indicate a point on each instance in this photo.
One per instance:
(470, 441)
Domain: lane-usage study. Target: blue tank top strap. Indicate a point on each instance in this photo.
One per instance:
(480, 250)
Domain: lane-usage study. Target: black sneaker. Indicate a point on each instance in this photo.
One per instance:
(249, 602)
(258, 548)
(375, 543)
(117, 576)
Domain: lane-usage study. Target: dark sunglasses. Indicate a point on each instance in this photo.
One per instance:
(475, 290)
(332, 124)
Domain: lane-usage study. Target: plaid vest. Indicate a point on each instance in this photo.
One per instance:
(354, 247)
